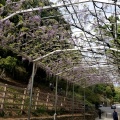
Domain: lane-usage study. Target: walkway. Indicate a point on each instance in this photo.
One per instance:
(104, 117)
(108, 113)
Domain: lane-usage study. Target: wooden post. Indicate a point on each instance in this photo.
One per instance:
(36, 102)
(64, 99)
(47, 100)
(23, 100)
(4, 95)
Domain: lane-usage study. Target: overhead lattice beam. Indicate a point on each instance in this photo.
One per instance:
(54, 6)
(87, 48)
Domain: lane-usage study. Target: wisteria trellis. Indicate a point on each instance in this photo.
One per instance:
(79, 38)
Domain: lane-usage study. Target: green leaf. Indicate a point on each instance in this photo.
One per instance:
(23, 29)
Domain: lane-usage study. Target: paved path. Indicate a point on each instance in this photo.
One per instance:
(107, 115)
(104, 119)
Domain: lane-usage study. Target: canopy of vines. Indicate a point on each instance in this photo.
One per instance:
(78, 40)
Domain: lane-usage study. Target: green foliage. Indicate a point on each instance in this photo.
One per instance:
(91, 96)
(8, 63)
(2, 113)
(109, 92)
(105, 90)
(24, 29)
(40, 110)
(100, 88)
(115, 42)
(2, 2)
(117, 95)
(13, 66)
(61, 111)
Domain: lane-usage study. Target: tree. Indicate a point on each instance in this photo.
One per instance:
(109, 92)
(105, 90)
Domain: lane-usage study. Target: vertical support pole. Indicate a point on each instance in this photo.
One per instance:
(84, 103)
(36, 102)
(67, 88)
(116, 32)
(4, 94)
(115, 21)
(31, 90)
(23, 99)
(73, 103)
(55, 115)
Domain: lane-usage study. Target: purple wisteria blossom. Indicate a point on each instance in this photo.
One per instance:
(7, 23)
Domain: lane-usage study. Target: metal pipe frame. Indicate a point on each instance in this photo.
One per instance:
(31, 91)
(56, 6)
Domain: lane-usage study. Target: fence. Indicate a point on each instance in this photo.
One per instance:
(15, 101)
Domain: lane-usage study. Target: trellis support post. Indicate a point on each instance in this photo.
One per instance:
(31, 90)
(56, 97)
